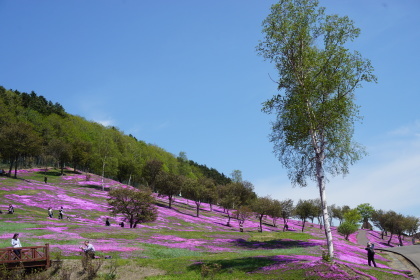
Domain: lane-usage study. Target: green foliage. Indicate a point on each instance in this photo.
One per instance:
(315, 112)
(318, 75)
(350, 224)
(346, 228)
(303, 211)
(365, 210)
(275, 210)
(170, 185)
(40, 104)
(34, 130)
(210, 270)
(219, 178)
(242, 214)
(262, 206)
(352, 216)
(19, 140)
(326, 257)
(195, 189)
(136, 206)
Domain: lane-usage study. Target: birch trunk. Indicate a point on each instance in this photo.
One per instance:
(323, 196)
(103, 174)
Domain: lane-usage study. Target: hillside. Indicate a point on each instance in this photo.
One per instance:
(179, 244)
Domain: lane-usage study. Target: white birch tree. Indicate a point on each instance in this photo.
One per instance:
(315, 110)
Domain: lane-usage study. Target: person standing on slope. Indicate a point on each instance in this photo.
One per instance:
(370, 254)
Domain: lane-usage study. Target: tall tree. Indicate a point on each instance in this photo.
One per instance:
(242, 214)
(151, 170)
(379, 220)
(287, 209)
(262, 206)
(315, 112)
(366, 211)
(211, 192)
(195, 190)
(275, 211)
(303, 211)
(235, 195)
(228, 199)
(350, 224)
(236, 176)
(412, 224)
(337, 212)
(170, 185)
(18, 140)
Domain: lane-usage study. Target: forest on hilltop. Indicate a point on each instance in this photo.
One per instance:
(38, 132)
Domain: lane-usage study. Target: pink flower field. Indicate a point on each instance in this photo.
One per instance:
(176, 230)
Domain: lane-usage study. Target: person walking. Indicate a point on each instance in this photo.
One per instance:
(371, 253)
(60, 213)
(50, 212)
(16, 244)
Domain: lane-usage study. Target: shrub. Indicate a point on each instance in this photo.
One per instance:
(347, 228)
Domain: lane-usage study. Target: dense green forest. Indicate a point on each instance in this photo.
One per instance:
(38, 132)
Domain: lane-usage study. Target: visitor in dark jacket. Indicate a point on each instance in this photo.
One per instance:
(370, 254)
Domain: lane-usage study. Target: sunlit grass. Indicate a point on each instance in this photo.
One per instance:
(15, 227)
(111, 234)
(160, 252)
(270, 236)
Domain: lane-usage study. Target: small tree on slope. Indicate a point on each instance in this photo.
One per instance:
(136, 206)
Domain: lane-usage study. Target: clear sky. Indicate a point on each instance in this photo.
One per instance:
(184, 75)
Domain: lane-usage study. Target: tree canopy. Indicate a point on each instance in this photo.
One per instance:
(315, 109)
(35, 131)
(136, 206)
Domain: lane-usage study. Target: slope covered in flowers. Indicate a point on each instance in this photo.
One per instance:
(176, 232)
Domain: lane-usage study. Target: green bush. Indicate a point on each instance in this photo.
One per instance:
(347, 228)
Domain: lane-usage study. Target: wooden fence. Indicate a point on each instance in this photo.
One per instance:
(29, 257)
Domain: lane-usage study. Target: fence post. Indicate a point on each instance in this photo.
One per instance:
(47, 255)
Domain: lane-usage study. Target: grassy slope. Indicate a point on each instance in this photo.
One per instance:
(179, 243)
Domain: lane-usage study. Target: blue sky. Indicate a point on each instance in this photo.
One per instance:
(184, 75)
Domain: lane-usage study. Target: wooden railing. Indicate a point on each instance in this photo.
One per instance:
(33, 256)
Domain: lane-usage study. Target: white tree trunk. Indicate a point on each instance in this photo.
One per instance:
(103, 174)
(323, 196)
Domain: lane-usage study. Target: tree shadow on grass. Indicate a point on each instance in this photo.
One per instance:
(96, 187)
(175, 209)
(57, 172)
(273, 244)
(248, 264)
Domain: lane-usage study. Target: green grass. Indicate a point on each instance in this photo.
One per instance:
(114, 235)
(15, 227)
(153, 251)
(236, 265)
(383, 274)
(270, 236)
